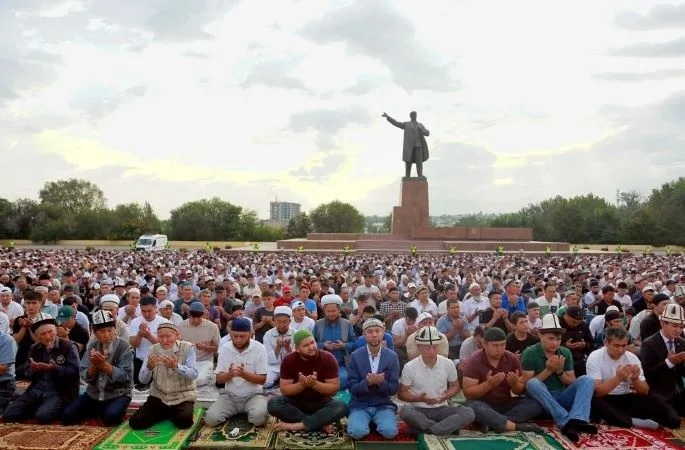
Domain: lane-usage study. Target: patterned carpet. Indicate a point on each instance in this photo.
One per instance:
(236, 433)
(295, 440)
(27, 436)
(474, 440)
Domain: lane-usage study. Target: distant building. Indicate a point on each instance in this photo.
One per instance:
(283, 211)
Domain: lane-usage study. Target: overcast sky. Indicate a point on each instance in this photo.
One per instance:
(176, 100)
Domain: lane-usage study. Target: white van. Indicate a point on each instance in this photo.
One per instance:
(152, 242)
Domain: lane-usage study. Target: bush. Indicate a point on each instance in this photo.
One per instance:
(228, 247)
(90, 248)
(183, 250)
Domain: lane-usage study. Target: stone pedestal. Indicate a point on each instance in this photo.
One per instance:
(413, 210)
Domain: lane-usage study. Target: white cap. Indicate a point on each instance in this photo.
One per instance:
(166, 304)
(649, 287)
(473, 286)
(673, 314)
(331, 299)
(110, 298)
(297, 304)
(550, 322)
(428, 336)
(284, 310)
(612, 308)
(423, 316)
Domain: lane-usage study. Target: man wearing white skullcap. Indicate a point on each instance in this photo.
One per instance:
(278, 343)
(335, 334)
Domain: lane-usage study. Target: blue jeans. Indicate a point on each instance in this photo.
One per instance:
(385, 418)
(111, 411)
(573, 402)
(342, 371)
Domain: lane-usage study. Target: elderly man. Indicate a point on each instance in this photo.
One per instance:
(278, 343)
(54, 371)
(374, 373)
(204, 334)
(663, 358)
(548, 370)
(132, 310)
(170, 367)
(622, 395)
(335, 334)
(110, 303)
(426, 384)
(166, 310)
(474, 305)
(107, 369)
(309, 379)
(491, 375)
(242, 369)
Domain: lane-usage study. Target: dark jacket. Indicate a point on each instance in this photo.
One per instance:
(663, 381)
(66, 378)
(115, 385)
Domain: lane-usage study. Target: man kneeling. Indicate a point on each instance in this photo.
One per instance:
(107, 368)
(170, 366)
(309, 378)
(242, 367)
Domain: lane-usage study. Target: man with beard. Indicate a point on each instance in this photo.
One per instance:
(278, 343)
(107, 368)
(170, 367)
(110, 303)
(374, 373)
(54, 370)
(335, 334)
(242, 369)
(309, 379)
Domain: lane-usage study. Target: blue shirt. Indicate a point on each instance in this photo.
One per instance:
(519, 306)
(444, 326)
(332, 332)
(187, 370)
(8, 351)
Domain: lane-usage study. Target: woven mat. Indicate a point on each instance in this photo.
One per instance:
(295, 440)
(610, 438)
(236, 433)
(162, 436)
(403, 440)
(474, 440)
(19, 436)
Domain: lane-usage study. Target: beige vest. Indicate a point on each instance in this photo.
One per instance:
(167, 385)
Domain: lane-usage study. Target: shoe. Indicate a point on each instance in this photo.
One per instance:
(570, 432)
(583, 427)
(530, 428)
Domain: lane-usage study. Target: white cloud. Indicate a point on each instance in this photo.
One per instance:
(175, 99)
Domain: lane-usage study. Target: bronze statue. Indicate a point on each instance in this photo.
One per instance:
(415, 149)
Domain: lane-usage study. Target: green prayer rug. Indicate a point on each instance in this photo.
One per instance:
(474, 440)
(236, 433)
(297, 440)
(162, 436)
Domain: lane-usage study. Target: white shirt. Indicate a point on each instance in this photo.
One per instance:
(4, 323)
(634, 329)
(254, 360)
(547, 306)
(596, 325)
(270, 341)
(430, 307)
(433, 381)
(399, 327)
(600, 366)
(136, 314)
(134, 327)
(307, 323)
(374, 362)
(13, 311)
(625, 301)
(473, 304)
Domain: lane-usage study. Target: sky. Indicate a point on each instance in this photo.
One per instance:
(169, 101)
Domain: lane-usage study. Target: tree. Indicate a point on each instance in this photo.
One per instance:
(337, 217)
(132, 219)
(299, 226)
(72, 196)
(205, 220)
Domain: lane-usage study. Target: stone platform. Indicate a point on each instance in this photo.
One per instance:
(411, 226)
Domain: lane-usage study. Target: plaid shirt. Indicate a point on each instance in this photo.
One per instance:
(387, 308)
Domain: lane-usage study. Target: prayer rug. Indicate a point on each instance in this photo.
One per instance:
(162, 436)
(403, 440)
(20, 436)
(474, 440)
(236, 433)
(296, 440)
(611, 438)
(679, 433)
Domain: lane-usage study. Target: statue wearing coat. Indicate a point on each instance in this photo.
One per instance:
(415, 148)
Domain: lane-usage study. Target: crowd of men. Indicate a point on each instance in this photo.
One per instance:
(578, 338)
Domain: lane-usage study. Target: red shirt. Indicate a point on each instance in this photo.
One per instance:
(280, 301)
(477, 367)
(324, 364)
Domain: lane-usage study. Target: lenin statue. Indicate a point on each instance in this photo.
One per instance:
(415, 149)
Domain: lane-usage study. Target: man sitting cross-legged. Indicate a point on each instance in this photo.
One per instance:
(427, 383)
(107, 368)
(309, 378)
(242, 367)
(374, 373)
(170, 366)
(622, 395)
(490, 376)
(551, 380)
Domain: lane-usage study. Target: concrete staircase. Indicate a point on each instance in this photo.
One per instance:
(399, 246)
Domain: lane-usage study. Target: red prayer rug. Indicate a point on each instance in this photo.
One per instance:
(610, 438)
